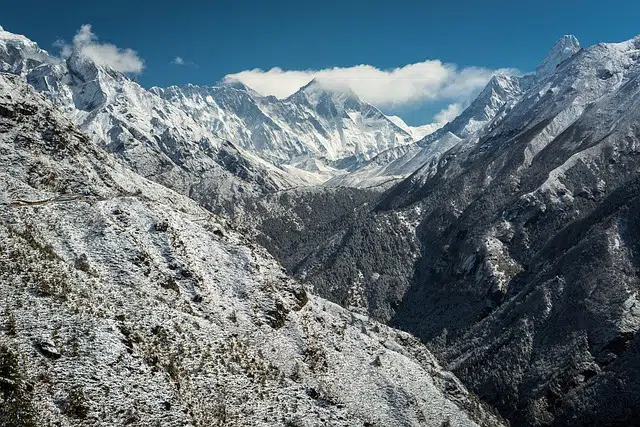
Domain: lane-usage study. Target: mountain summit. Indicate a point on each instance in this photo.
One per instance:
(564, 48)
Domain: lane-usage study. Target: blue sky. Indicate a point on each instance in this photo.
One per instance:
(219, 38)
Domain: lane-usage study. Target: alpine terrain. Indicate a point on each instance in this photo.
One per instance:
(206, 255)
(126, 303)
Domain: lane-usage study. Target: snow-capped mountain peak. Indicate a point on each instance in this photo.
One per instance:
(317, 91)
(318, 122)
(18, 54)
(500, 93)
(564, 48)
(322, 122)
(238, 85)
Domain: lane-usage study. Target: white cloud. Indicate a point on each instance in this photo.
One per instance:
(448, 114)
(179, 60)
(431, 80)
(106, 54)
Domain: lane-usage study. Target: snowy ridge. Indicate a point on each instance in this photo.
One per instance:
(501, 94)
(314, 123)
(22, 54)
(564, 49)
(395, 164)
(314, 136)
(418, 132)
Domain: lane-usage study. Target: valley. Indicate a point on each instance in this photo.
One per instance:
(206, 255)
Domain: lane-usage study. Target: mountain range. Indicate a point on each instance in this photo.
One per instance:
(205, 255)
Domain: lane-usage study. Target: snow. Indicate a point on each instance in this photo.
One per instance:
(564, 48)
(281, 138)
(418, 132)
(314, 123)
(384, 171)
(390, 166)
(594, 88)
(558, 125)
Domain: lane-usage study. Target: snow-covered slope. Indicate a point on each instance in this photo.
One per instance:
(418, 132)
(391, 166)
(19, 54)
(564, 49)
(125, 303)
(176, 136)
(501, 92)
(315, 123)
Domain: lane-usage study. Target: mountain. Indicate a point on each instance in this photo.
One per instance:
(391, 166)
(316, 123)
(149, 134)
(126, 303)
(528, 258)
(418, 132)
(495, 100)
(518, 247)
(20, 55)
(497, 97)
(564, 49)
(397, 163)
(316, 135)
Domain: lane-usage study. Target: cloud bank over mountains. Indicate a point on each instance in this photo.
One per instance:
(430, 81)
(412, 84)
(105, 54)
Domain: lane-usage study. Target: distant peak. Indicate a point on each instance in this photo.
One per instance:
(569, 38)
(499, 79)
(562, 50)
(7, 35)
(567, 44)
(312, 83)
(501, 84)
(238, 85)
(315, 88)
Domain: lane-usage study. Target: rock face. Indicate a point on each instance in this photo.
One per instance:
(521, 243)
(126, 303)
